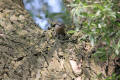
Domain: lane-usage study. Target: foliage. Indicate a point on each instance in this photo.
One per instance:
(71, 31)
(113, 77)
(99, 21)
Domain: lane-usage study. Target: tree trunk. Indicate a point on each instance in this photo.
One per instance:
(29, 53)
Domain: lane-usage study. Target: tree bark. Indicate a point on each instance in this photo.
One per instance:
(29, 53)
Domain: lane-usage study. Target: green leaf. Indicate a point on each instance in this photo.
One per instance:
(71, 31)
(99, 6)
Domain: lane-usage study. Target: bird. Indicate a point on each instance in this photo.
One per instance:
(59, 29)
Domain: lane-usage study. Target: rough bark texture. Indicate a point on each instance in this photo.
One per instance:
(29, 53)
(26, 51)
